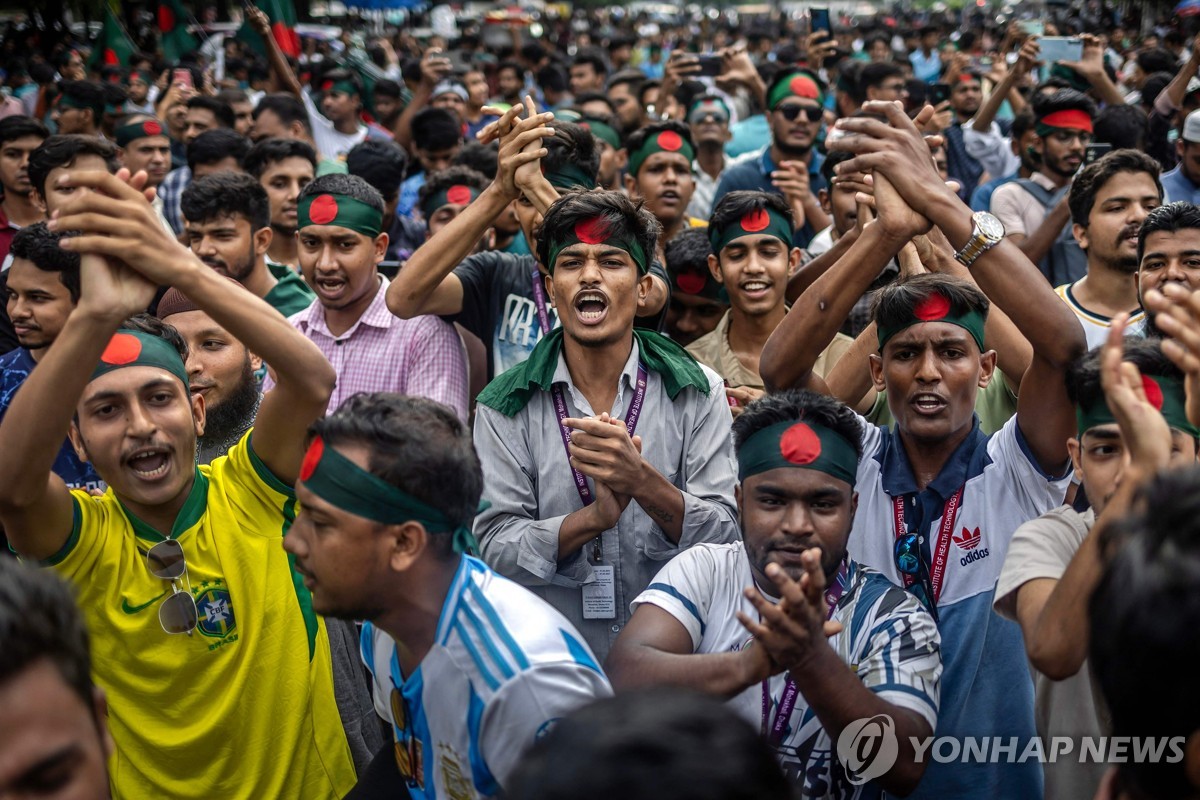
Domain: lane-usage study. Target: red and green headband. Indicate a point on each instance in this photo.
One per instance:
(1072, 119)
(342, 211)
(661, 142)
(1165, 394)
(804, 445)
(343, 484)
(797, 84)
(459, 195)
(137, 130)
(597, 230)
(130, 348)
(766, 221)
(936, 307)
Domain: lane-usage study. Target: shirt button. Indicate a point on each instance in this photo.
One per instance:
(616, 628)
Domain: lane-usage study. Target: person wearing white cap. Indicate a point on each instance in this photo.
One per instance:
(1183, 182)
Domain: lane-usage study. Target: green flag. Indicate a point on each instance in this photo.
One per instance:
(113, 47)
(172, 27)
(283, 26)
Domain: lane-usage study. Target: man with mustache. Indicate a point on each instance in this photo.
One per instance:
(227, 219)
(1109, 200)
(602, 400)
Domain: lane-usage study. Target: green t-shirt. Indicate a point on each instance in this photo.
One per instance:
(291, 294)
(995, 405)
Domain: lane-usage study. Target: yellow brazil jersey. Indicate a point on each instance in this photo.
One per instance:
(242, 708)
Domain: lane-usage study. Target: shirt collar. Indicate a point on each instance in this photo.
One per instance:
(896, 473)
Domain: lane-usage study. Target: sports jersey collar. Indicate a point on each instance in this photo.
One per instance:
(193, 509)
(896, 472)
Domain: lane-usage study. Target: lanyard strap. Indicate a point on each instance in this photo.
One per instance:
(631, 420)
(539, 300)
(787, 703)
(941, 554)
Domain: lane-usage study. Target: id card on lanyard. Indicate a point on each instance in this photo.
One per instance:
(777, 731)
(600, 596)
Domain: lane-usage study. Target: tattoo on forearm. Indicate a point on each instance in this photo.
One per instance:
(660, 514)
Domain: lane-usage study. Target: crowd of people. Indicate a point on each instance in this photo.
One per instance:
(627, 408)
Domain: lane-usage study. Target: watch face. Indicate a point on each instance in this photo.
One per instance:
(991, 228)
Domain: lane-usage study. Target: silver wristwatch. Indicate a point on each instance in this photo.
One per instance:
(987, 234)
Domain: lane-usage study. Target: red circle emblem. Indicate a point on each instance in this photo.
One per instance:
(123, 348)
(756, 221)
(151, 127)
(323, 210)
(459, 195)
(1153, 392)
(934, 307)
(670, 140)
(591, 231)
(800, 444)
(312, 458)
(690, 282)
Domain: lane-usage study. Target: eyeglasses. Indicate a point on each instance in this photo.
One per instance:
(409, 758)
(910, 560)
(178, 613)
(812, 113)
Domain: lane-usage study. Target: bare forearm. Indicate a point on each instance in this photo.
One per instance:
(659, 498)
(838, 697)
(638, 666)
(789, 355)
(437, 258)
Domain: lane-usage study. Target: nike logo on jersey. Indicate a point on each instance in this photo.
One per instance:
(128, 609)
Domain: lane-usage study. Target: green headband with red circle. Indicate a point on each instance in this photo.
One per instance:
(132, 348)
(597, 230)
(137, 130)
(766, 221)
(341, 211)
(936, 307)
(343, 484)
(797, 443)
(797, 84)
(458, 195)
(1165, 394)
(661, 142)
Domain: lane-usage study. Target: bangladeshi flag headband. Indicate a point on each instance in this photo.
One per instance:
(1165, 394)
(343, 484)
(806, 445)
(767, 221)
(597, 230)
(661, 142)
(936, 307)
(342, 211)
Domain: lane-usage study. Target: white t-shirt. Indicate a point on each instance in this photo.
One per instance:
(504, 667)
(889, 641)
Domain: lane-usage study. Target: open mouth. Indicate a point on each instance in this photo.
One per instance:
(150, 463)
(591, 306)
(928, 404)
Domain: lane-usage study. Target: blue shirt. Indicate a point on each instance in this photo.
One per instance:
(981, 198)
(1177, 186)
(755, 176)
(15, 367)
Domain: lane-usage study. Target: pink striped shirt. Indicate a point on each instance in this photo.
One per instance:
(423, 356)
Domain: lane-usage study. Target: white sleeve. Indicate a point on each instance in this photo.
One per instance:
(684, 589)
(526, 707)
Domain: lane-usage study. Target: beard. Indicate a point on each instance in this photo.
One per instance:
(232, 415)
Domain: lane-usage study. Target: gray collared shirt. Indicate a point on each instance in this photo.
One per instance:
(530, 487)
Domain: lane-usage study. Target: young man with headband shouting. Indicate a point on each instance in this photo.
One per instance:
(179, 569)
(469, 668)
(843, 644)
(608, 449)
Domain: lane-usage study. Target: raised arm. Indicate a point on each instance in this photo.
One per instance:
(116, 221)
(1044, 412)
(427, 284)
